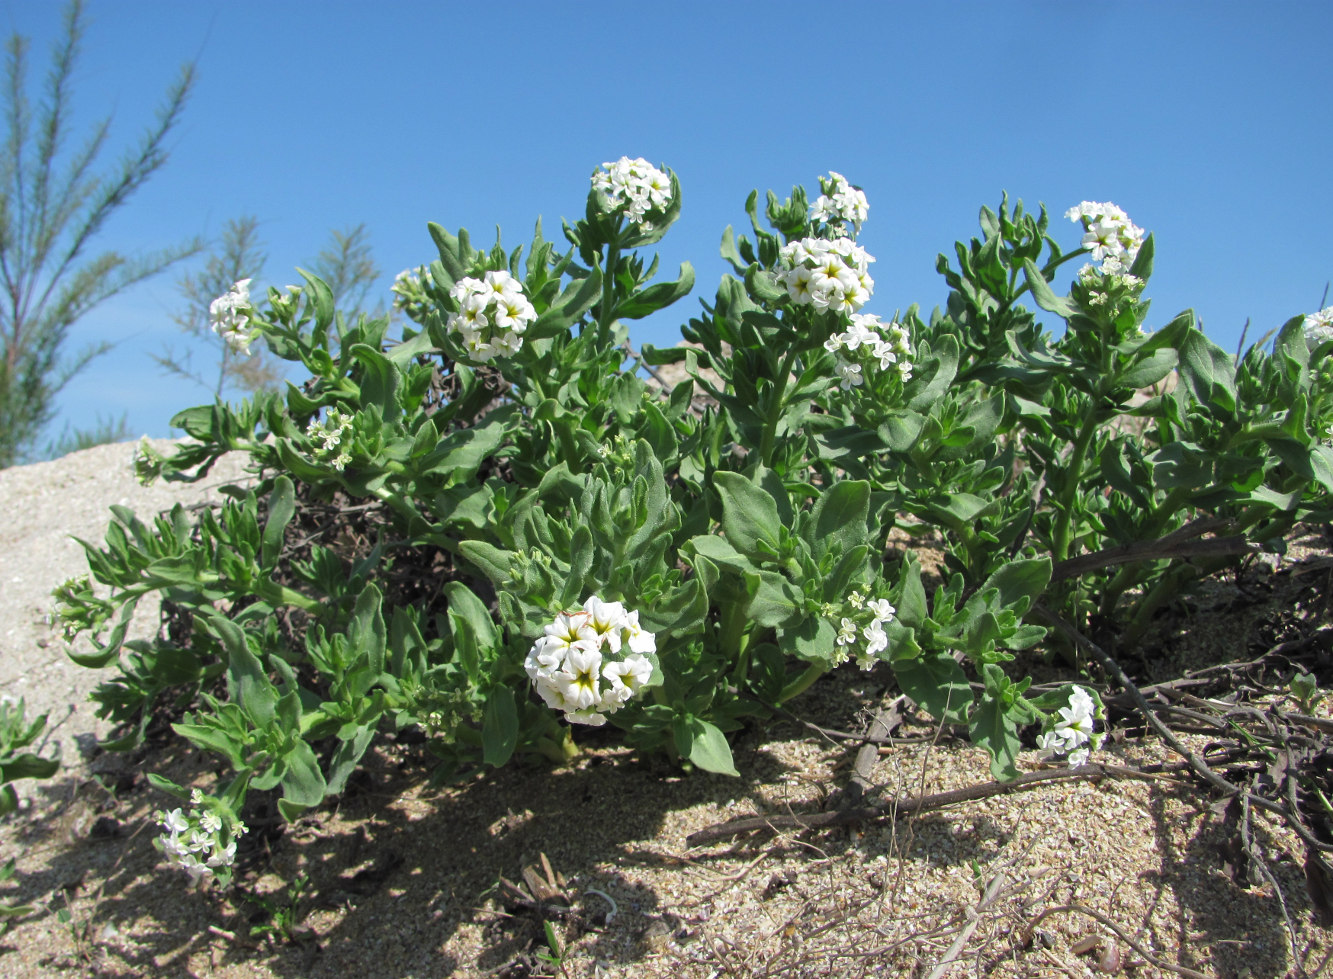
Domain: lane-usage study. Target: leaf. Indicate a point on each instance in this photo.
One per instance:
(379, 381)
(1207, 370)
(1042, 293)
(749, 513)
(247, 683)
(992, 729)
(321, 301)
(774, 601)
(499, 726)
(1148, 370)
(281, 506)
(937, 683)
(658, 296)
(703, 743)
(839, 515)
(576, 299)
(1020, 583)
(303, 785)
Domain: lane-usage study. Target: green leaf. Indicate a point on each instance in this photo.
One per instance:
(303, 784)
(749, 513)
(1020, 583)
(379, 380)
(576, 299)
(1208, 371)
(937, 683)
(774, 601)
(247, 683)
(281, 506)
(840, 515)
(1042, 293)
(321, 300)
(499, 726)
(494, 562)
(703, 744)
(1148, 370)
(992, 728)
(658, 296)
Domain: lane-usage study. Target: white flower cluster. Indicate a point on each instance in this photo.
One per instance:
(1113, 239)
(826, 274)
(840, 203)
(1319, 327)
(876, 639)
(1073, 733)
(1101, 283)
(195, 842)
(328, 438)
(493, 313)
(887, 344)
(229, 316)
(591, 661)
(632, 187)
(408, 286)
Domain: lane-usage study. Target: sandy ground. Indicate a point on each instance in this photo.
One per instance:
(1113, 876)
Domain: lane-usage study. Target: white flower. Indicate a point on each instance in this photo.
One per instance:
(849, 375)
(847, 632)
(883, 611)
(493, 312)
(1319, 327)
(826, 274)
(328, 438)
(591, 661)
(229, 316)
(1107, 231)
(633, 188)
(876, 638)
(841, 203)
(174, 822)
(1074, 731)
(198, 842)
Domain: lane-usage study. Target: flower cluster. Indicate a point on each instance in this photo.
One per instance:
(329, 438)
(1319, 327)
(876, 639)
(492, 315)
(632, 187)
(591, 661)
(409, 286)
(200, 842)
(1107, 231)
(840, 203)
(1073, 733)
(229, 315)
(826, 274)
(886, 343)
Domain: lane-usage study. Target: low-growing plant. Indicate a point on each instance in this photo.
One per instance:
(547, 539)
(17, 733)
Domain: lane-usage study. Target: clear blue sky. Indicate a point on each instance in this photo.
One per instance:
(1210, 123)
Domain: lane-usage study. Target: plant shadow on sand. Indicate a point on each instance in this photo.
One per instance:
(395, 870)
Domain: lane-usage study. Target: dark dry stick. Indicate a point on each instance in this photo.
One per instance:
(906, 807)
(1200, 768)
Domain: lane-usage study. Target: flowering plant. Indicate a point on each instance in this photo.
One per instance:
(553, 536)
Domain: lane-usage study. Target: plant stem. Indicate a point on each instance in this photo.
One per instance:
(1060, 537)
(775, 407)
(798, 686)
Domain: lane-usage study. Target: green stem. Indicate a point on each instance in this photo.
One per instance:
(778, 392)
(1061, 534)
(798, 686)
(606, 314)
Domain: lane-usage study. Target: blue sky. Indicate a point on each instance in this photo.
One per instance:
(1209, 123)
